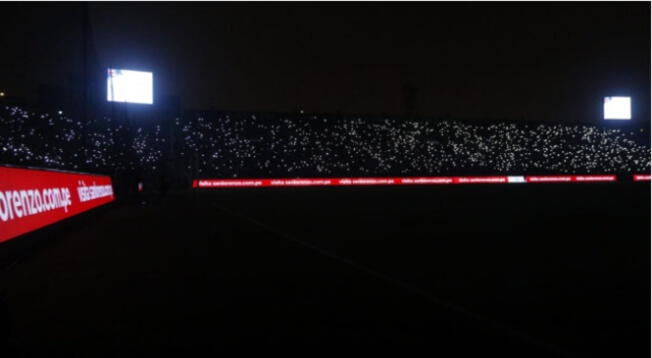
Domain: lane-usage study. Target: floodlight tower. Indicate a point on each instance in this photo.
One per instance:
(135, 88)
(90, 79)
(85, 79)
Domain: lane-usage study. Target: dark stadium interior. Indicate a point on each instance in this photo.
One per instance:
(328, 90)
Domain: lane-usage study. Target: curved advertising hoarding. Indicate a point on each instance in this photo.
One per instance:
(33, 198)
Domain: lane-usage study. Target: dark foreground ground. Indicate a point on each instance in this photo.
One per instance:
(528, 271)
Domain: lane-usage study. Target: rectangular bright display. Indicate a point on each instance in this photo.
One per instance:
(130, 86)
(31, 199)
(619, 108)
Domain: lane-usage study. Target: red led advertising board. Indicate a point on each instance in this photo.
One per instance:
(570, 178)
(511, 179)
(32, 198)
(233, 183)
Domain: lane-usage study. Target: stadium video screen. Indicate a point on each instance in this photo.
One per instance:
(129, 86)
(619, 108)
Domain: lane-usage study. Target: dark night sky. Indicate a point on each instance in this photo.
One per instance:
(541, 61)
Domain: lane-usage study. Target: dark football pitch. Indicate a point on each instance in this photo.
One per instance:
(518, 270)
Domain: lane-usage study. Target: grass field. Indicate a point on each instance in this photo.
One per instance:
(566, 263)
(534, 270)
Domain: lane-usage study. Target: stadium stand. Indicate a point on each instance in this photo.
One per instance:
(254, 145)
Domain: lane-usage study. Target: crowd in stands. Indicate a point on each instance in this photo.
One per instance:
(230, 145)
(54, 140)
(304, 146)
